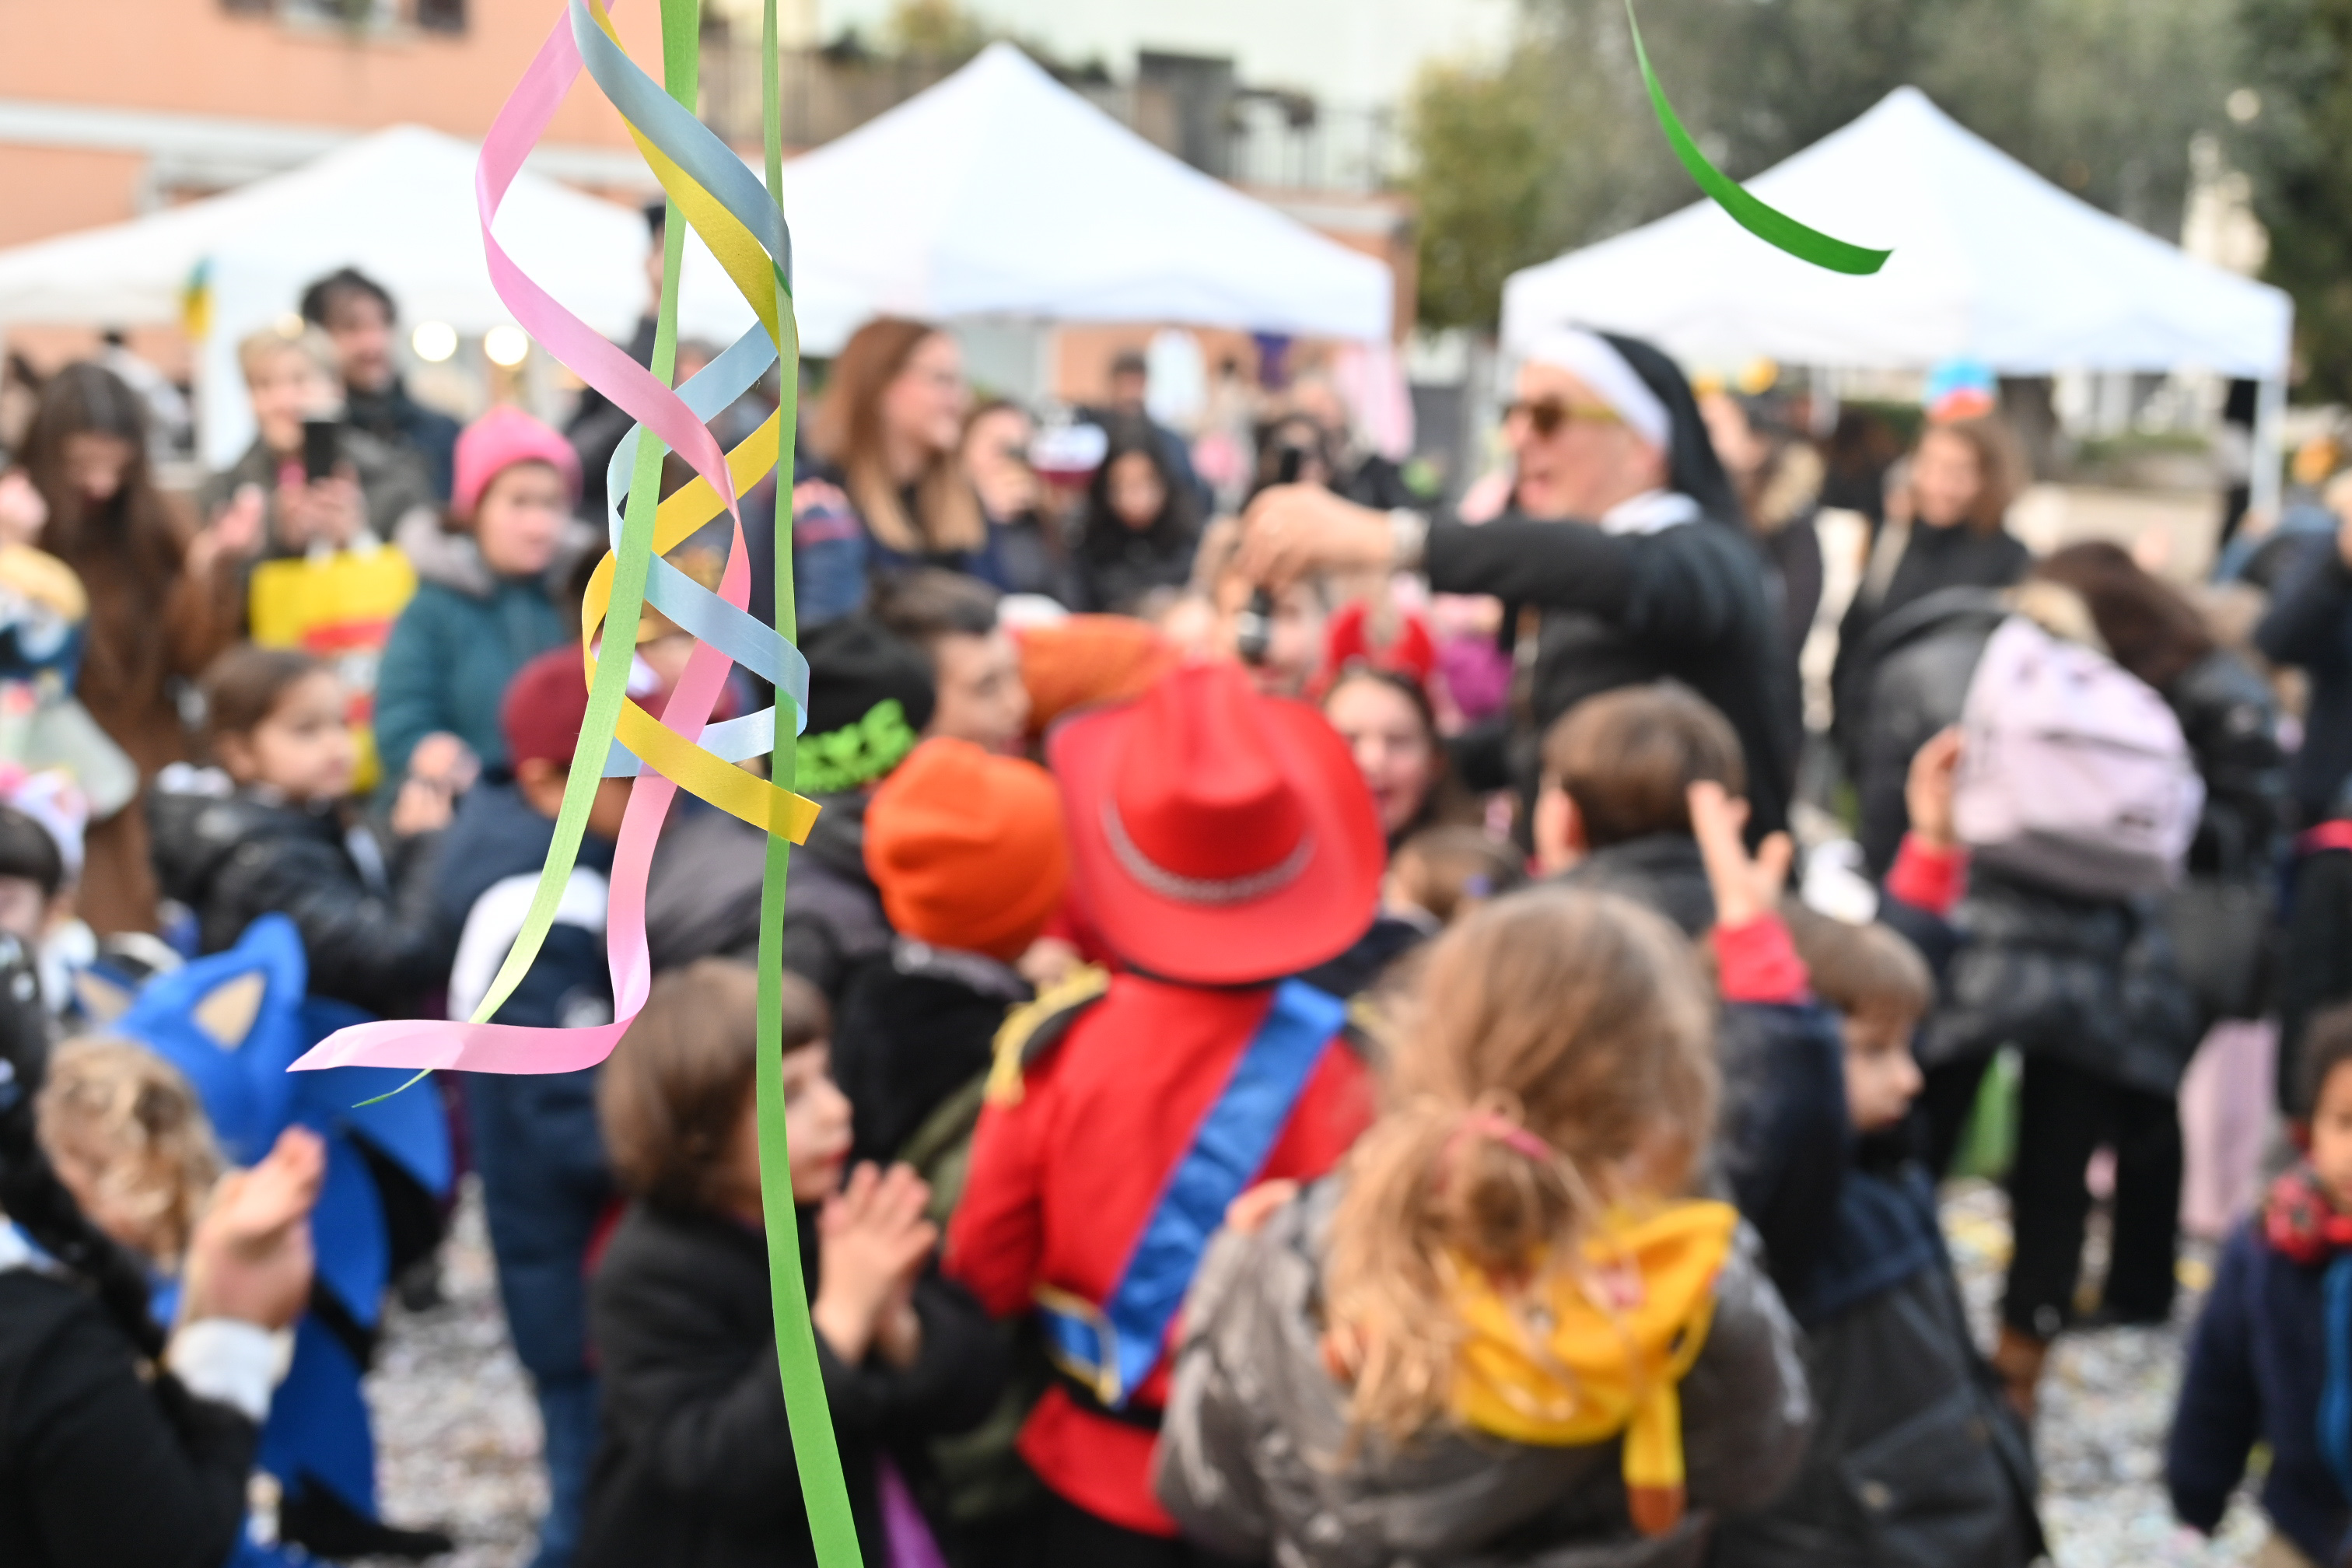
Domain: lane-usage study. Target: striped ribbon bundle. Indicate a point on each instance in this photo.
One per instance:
(710, 190)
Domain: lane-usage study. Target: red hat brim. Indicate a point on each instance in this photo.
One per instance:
(1308, 922)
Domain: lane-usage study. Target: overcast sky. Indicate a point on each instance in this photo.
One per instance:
(1347, 52)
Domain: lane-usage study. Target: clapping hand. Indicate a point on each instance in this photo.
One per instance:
(874, 1240)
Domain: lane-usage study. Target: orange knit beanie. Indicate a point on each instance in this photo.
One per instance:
(967, 849)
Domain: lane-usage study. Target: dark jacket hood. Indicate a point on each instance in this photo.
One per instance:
(200, 820)
(1660, 872)
(497, 835)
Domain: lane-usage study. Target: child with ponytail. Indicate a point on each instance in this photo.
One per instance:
(1505, 1329)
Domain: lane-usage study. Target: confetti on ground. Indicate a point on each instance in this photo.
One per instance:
(2106, 1404)
(459, 1434)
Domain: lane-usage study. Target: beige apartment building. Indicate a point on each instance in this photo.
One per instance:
(111, 108)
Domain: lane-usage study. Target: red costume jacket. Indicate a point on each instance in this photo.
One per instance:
(1068, 1165)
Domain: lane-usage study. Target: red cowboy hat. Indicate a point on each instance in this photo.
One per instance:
(1218, 836)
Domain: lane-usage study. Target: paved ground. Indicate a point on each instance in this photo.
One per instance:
(460, 1436)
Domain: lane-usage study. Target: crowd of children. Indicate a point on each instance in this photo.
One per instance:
(1251, 1100)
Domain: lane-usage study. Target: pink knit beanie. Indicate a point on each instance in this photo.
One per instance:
(497, 441)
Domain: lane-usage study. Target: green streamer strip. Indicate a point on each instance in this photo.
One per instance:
(1764, 221)
(832, 1527)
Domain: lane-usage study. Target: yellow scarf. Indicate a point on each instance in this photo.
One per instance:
(1583, 1354)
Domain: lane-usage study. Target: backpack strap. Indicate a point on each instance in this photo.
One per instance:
(940, 1148)
(1032, 1031)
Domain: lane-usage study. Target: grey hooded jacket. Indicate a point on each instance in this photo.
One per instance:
(1249, 1456)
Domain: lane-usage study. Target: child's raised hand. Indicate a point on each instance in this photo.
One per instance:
(250, 1257)
(1927, 789)
(874, 1240)
(1745, 885)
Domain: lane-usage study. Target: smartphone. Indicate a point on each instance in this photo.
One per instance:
(319, 449)
(1254, 627)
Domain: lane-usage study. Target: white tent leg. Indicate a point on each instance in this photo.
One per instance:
(2269, 435)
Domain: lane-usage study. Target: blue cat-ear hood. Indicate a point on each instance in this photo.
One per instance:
(243, 1082)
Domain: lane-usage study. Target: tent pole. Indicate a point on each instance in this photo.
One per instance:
(2269, 441)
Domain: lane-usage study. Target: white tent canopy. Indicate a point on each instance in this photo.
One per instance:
(1000, 192)
(398, 204)
(1991, 261)
(997, 193)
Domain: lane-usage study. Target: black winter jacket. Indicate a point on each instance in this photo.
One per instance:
(1909, 680)
(913, 1028)
(100, 1466)
(1915, 1457)
(368, 927)
(695, 1469)
(2092, 983)
(2315, 954)
(2229, 719)
(2310, 625)
(1686, 603)
(1784, 1143)
(1934, 561)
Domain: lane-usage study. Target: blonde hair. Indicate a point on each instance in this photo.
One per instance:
(257, 349)
(1579, 1017)
(848, 430)
(127, 1115)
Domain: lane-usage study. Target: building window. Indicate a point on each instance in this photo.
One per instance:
(366, 16)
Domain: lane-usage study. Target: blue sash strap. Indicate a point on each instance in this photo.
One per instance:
(1114, 1348)
(2335, 1387)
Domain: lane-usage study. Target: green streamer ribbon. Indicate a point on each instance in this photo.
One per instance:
(1766, 222)
(832, 1528)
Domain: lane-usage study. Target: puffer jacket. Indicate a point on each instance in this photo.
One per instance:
(1249, 1458)
(366, 918)
(1915, 1457)
(2093, 982)
(1910, 679)
(2230, 717)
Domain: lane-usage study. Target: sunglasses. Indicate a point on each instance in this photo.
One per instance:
(1550, 415)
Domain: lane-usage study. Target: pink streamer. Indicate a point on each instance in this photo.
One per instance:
(511, 1047)
(631, 387)
(507, 1048)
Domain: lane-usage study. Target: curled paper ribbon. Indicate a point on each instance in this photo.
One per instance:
(745, 229)
(1766, 222)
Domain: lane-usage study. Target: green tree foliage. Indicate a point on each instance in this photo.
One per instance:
(935, 30)
(2298, 149)
(1555, 145)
